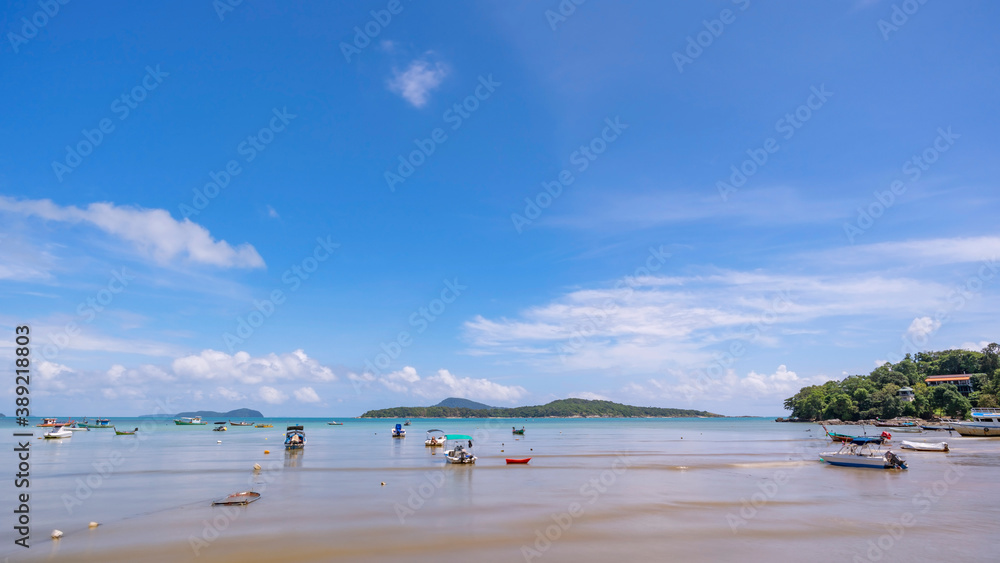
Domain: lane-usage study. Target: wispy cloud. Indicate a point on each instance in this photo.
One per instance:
(416, 82)
(153, 232)
(443, 384)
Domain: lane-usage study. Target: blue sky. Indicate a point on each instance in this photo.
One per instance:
(321, 209)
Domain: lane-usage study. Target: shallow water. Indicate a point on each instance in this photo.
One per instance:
(595, 490)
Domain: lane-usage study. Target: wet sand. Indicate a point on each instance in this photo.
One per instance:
(595, 490)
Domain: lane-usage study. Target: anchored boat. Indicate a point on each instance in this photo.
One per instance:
(435, 441)
(516, 431)
(458, 454)
(925, 446)
(295, 438)
(859, 454)
(125, 432)
(985, 422)
(398, 431)
(57, 432)
(189, 421)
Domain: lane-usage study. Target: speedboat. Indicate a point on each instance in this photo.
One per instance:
(56, 433)
(985, 422)
(220, 428)
(295, 438)
(398, 431)
(859, 454)
(76, 427)
(925, 446)
(189, 421)
(434, 441)
(458, 453)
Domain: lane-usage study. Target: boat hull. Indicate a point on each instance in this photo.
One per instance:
(925, 446)
(518, 461)
(967, 429)
(853, 460)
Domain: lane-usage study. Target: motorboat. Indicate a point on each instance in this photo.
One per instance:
(860, 454)
(398, 431)
(231, 423)
(125, 432)
(435, 441)
(836, 437)
(985, 422)
(407, 423)
(189, 421)
(57, 432)
(76, 427)
(220, 428)
(458, 453)
(295, 438)
(335, 423)
(925, 446)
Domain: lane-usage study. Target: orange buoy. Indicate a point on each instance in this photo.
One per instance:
(267, 451)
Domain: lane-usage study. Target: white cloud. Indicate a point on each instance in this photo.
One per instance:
(242, 367)
(271, 395)
(444, 384)
(229, 394)
(925, 252)
(416, 82)
(307, 395)
(53, 377)
(778, 385)
(151, 231)
(922, 327)
(272, 213)
(589, 396)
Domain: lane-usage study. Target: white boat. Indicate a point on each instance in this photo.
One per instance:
(189, 421)
(435, 441)
(398, 431)
(911, 429)
(985, 422)
(76, 427)
(925, 446)
(57, 432)
(295, 438)
(860, 454)
(458, 453)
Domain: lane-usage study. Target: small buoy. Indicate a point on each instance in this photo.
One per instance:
(56, 534)
(94, 524)
(501, 451)
(383, 483)
(218, 441)
(267, 451)
(256, 467)
(532, 449)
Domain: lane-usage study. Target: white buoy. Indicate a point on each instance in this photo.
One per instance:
(94, 524)
(218, 441)
(56, 534)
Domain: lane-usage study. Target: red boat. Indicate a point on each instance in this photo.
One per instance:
(525, 460)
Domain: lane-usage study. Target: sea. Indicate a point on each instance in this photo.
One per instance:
(680, 489)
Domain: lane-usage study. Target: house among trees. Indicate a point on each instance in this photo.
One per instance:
(962, 381)
(906, 394)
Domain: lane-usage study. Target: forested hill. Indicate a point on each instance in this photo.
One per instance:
(564, 408)
(867, 397)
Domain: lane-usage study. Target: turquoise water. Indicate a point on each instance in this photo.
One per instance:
(698, 489)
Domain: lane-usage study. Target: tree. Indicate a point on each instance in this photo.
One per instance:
(841, 406)
(947, 398)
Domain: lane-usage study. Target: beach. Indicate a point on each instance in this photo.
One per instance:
(595, 490)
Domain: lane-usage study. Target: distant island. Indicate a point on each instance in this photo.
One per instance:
(456, 402)
(564, 408)
(238, 413)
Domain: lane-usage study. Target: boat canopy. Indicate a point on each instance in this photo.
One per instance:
(457, 437)
(398, 426)
(435, 430)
